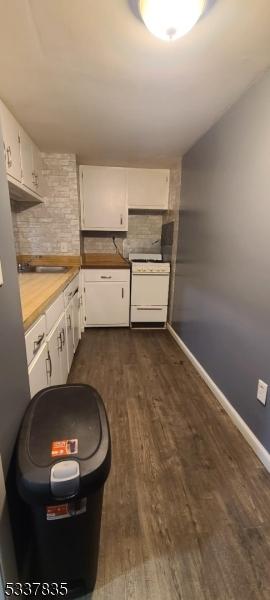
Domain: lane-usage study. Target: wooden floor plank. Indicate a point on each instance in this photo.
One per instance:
(187, 505)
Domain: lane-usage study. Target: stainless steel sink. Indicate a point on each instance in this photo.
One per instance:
(50, 269)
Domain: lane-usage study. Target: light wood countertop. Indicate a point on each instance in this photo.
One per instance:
(39, 290)
(51, 259)
(104, 261)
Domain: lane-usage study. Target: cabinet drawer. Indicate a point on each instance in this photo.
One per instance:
(150, 314)
(54, 312)
(106, 275)
(70, 289)
(34, 338)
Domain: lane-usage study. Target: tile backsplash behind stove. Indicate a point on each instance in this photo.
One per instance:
(167, 241)
(143, 231)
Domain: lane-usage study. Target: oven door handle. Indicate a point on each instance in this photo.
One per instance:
(150, 308)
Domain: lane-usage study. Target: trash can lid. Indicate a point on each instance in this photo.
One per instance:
(66, 422)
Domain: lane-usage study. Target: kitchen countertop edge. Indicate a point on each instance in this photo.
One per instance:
(29, 321)
(104, 261)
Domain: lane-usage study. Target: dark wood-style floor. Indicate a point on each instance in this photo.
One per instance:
(187, 505)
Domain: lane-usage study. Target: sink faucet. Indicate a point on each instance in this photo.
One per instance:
(23, 267)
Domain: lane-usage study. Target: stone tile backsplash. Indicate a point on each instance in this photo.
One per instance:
(143, 231)
(52, 227)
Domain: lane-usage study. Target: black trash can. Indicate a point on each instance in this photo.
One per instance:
(63, 461)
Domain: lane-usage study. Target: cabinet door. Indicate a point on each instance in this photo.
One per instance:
(63, 348)
(37, 170)
(54, 343)
(104, 198)
(11, 140)
(107, 304)
(82, 300)
(76, 320)
(27, 161)
(69, 335)
(148, 188)
(38, 371)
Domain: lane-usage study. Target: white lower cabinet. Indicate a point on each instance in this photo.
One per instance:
(59, 331)
(57, 351)
(54, 343)
(38, 371)
(107, 303)
(63, 349)
(69, 335)
(76, 320)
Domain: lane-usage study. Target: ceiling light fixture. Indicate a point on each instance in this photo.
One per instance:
(171, 19)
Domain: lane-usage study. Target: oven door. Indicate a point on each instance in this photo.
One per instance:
(149, 290)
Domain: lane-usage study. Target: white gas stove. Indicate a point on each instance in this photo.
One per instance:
(149, 289)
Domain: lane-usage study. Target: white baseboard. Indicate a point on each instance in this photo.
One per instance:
(249, 436)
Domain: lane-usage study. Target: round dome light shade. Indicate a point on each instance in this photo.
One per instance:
(171, 19)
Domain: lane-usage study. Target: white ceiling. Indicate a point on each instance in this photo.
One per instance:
(86, 76)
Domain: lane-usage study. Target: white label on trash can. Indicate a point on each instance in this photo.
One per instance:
(65, 511)
(64, 447)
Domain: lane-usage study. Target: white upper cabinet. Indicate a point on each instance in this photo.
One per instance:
(11, 139)
(23, 159)
(37, 171)
(31, 164)
(148, 188)
(27, 160)
(103, 193)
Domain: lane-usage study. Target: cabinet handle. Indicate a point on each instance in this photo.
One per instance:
(50, 363)
(63, 337)
(5, 153)
(123, 292)
(36, 178)
(33, 179)
(37, 343)
(69, 319)
(121, 219)
(59, 337)
(9, 161)
(105, 277)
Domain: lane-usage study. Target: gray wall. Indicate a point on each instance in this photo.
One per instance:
(14, 389)
(222, 290)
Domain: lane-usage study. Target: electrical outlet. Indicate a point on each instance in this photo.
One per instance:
(64, 247)
(262, 391)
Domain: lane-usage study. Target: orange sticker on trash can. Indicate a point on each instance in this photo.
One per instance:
(65, 511)
(64, 448)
